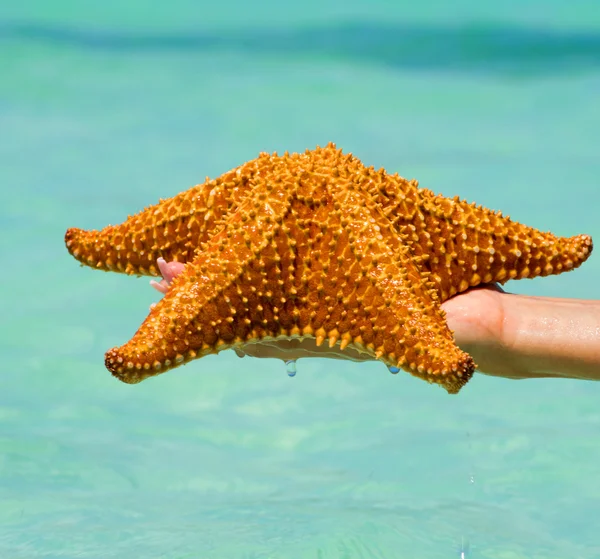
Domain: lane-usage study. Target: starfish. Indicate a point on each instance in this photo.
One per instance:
(315, 245)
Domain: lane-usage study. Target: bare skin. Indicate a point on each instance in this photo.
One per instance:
(511, 336)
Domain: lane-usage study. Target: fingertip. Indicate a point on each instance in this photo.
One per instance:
(159, 286)
(163, 267)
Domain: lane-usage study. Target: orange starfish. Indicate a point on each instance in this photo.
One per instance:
(316, 245)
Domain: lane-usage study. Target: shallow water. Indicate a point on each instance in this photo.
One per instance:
(106, 109)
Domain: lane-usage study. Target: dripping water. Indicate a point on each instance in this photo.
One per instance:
(290, 368)
(465, 547)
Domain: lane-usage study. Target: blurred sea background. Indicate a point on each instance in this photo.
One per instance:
(105, 107)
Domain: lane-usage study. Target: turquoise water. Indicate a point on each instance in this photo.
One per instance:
(105, 109)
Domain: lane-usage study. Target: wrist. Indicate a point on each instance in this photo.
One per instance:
(552, 337)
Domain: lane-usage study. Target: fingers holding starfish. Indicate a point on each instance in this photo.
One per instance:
(169, 271)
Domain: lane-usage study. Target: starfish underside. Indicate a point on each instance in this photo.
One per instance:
(316, 245)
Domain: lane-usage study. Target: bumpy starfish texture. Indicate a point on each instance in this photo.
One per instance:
(316, 245)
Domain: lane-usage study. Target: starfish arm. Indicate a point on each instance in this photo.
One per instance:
(474, 245)
(464, 245)
(401, 320)
(205, 310)
(173, 229)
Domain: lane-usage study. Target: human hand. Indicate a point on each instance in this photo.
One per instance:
(476, 316)
(512, 336)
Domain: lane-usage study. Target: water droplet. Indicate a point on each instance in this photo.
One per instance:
(464, 549)
(394, 370)
(290, 368)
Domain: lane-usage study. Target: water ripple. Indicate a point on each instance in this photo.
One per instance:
(476, 48)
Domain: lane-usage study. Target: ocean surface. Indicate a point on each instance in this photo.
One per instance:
(105, 107)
